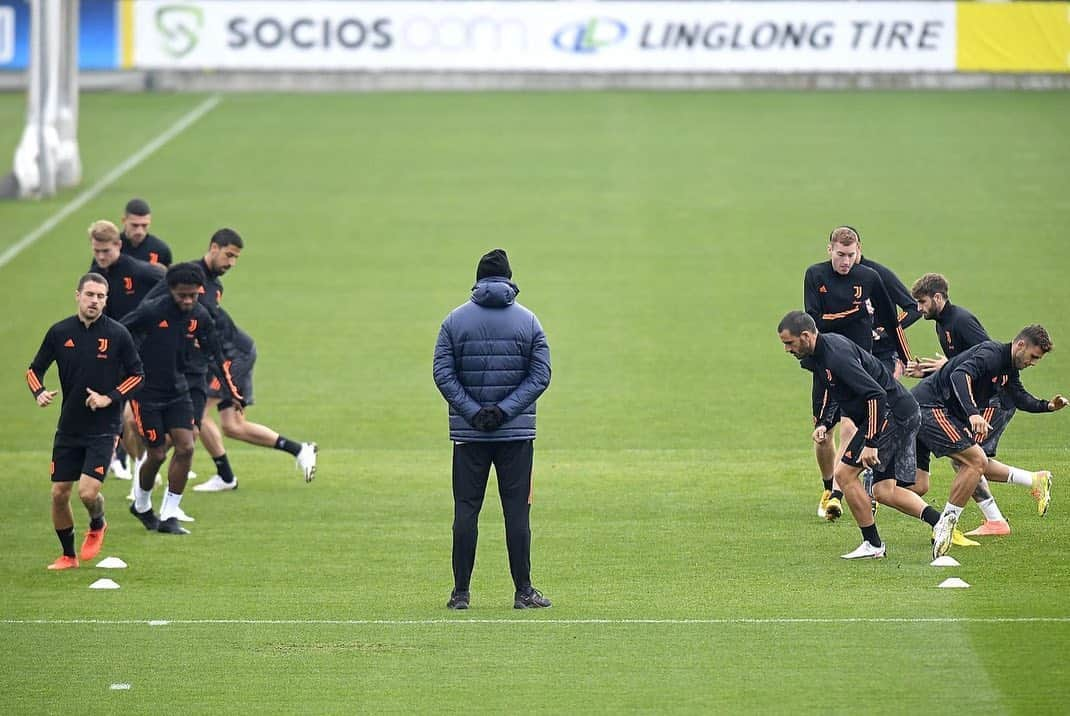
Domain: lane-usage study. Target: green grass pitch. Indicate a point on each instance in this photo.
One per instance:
(660, 238)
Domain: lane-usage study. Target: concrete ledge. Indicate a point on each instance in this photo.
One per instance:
(124, 81)
(265, 81)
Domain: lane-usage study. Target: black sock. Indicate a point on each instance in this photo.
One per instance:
(869, 534)
(288, 445)
(827, 483)
(66, 538)
(120, 453)
(222, 468)
(96, 523)
(837, 494)
(930, 515)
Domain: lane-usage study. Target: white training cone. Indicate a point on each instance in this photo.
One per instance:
(103, 584)
(111, 563)
(945, 561)
(953, 583)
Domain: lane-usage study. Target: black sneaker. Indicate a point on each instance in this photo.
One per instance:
(530, 599)
(458, 600)
(172, 527)
(148, 517)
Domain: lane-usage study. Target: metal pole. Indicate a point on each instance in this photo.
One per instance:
(69, 169)
(49, 139)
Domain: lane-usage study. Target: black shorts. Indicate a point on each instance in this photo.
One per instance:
(155, 420)
(74, 456)
(999, 418)
(198, 395)
(241, 372)
(896, 445)
(941, 434)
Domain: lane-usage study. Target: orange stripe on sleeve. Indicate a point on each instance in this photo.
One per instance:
(33, 381)
(903, 341)
(129, 384)
(842, 314)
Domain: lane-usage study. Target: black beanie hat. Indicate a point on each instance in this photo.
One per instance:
(494, 263)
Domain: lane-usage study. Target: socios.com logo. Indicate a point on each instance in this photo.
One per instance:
(180, 27)
(590, 36)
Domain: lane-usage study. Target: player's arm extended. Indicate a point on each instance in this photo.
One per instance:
(1023, 399)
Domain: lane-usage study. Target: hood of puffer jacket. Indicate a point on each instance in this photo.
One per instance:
(494, 292)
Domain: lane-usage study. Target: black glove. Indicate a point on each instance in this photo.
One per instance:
(488, 419)
(479, 420)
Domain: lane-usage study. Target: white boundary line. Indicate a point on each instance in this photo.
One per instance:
(108, 179)
(559, 622)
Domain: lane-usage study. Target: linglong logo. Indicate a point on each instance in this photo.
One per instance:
(180, 26)
(589, 37)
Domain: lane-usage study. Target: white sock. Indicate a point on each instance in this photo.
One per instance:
(950, 509)
(142, 498)
(169, 506)
(1020, 477)
(990, 510)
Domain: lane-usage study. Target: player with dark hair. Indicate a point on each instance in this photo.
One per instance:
(952, 424)
(239, 349)
(887, 416)
(223, 251)
(846, 298)
(957, 330)
(137, 241)
(170, 328)
(98, 368)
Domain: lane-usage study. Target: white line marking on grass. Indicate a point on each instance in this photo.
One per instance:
(108, 179)
(560, 622)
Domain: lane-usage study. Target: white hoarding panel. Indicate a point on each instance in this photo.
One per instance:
(547, 36)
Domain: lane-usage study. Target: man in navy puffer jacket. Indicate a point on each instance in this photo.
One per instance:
(491, 363)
